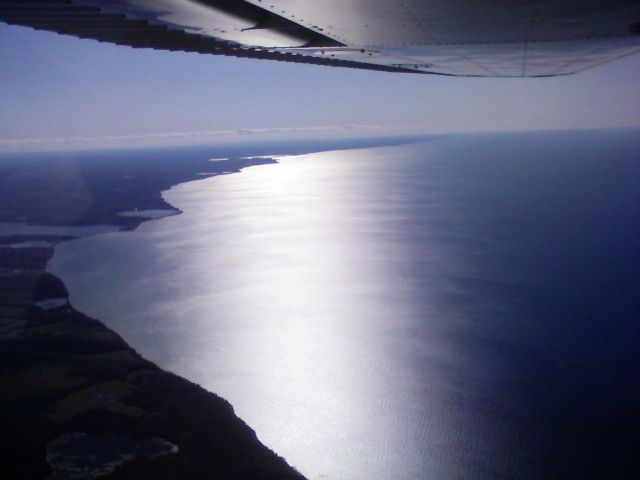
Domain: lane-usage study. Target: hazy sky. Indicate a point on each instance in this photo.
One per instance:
(60, 87)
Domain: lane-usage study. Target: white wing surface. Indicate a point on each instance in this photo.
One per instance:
(496, 38)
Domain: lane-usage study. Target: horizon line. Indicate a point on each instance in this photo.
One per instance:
(233, 137)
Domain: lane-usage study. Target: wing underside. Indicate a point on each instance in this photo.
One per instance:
(495, 38)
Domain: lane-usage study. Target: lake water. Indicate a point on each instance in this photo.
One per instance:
(467, 307)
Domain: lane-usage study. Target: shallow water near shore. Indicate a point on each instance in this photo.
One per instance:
(465, 307)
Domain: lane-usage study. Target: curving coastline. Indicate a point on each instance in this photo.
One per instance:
(76, 401)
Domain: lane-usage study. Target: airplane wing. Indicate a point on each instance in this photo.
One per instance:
(494, 38)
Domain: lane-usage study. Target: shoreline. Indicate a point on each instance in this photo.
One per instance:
(72, 375)
(66, 376)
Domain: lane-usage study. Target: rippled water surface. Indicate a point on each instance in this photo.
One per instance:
(466, 307)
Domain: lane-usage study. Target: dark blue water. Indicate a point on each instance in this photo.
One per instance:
(467, 307)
